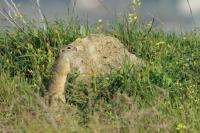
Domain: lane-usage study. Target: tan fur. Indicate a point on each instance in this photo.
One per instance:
(96, 54)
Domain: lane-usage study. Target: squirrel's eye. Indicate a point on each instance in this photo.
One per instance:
(70, 47)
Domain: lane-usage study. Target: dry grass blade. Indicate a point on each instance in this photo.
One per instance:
(191, 13)
(8, 17)
(42, 16)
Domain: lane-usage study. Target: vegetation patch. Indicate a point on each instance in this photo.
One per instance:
(162, 95)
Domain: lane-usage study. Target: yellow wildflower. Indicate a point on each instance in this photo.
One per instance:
(56, 31)
(136, 2)
(130, 14)
(161, 42)
(180, 126)
(98, 28)
(49, 52)
(136, 17)
(130, 21)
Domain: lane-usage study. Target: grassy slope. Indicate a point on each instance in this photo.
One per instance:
(161, 96)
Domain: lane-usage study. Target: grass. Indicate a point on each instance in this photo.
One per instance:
(162, 95)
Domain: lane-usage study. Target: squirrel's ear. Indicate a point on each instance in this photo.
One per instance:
(62, 50)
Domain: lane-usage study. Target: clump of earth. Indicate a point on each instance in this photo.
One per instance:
(96, 54)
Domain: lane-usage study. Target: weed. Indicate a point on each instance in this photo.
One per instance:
(161, 95)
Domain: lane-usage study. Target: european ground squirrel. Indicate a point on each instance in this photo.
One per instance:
(96, 54)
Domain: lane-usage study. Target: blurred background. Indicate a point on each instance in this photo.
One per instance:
(170, 15)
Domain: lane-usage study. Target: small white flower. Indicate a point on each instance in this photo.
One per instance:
(100, 20)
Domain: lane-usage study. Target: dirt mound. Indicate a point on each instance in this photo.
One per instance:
(96, 54)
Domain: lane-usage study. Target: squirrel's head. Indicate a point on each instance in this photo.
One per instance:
(67, 51)
(68, 48)
(63, 60)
